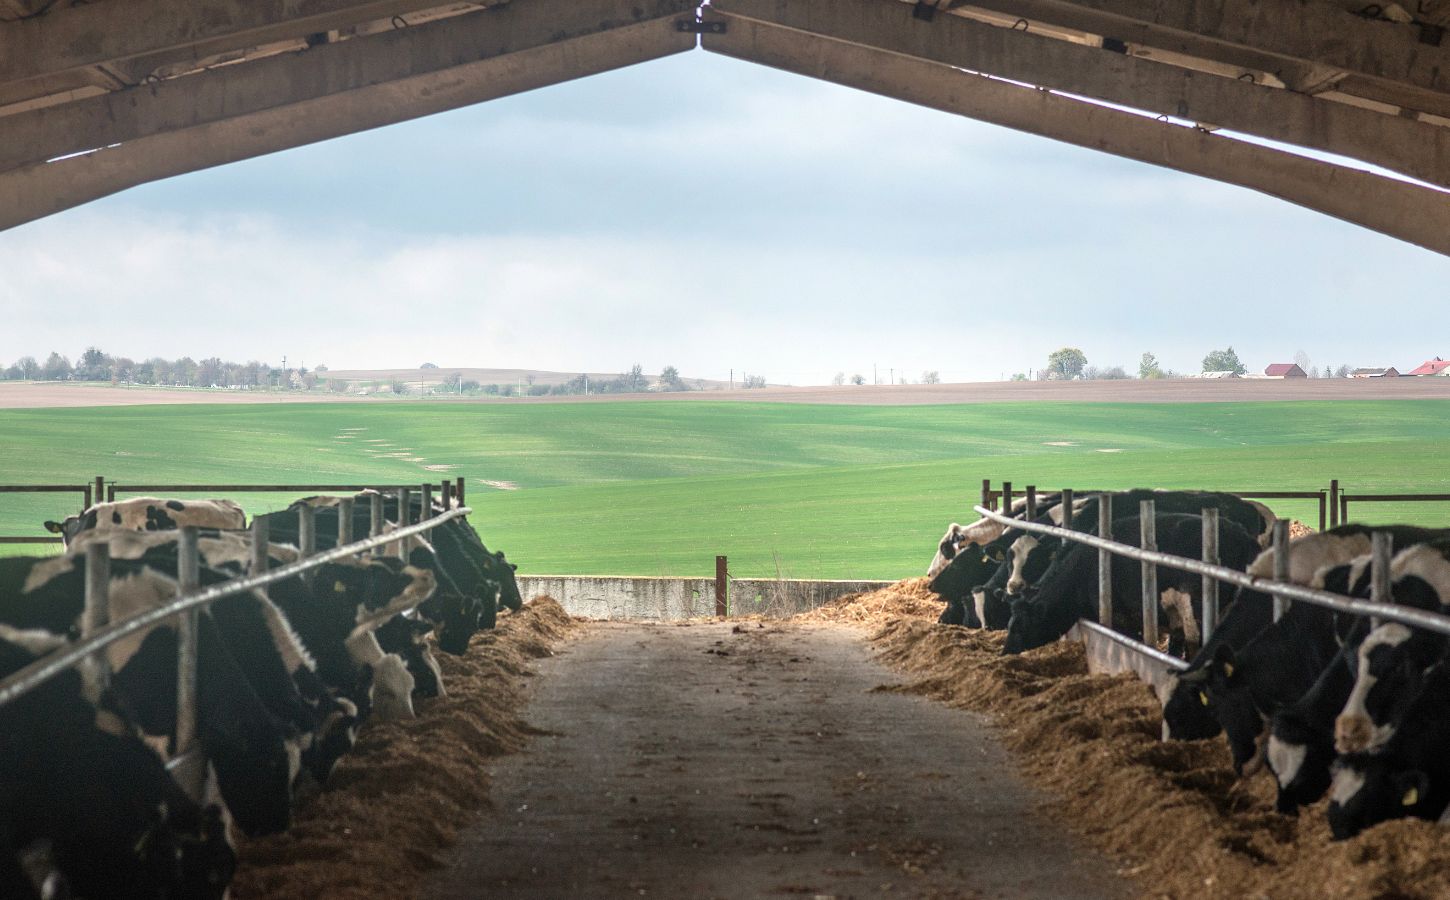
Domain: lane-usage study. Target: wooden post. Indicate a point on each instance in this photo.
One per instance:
(111, 492)
(86, 498)
(261, 557)
(1334, 519)
(100, 487)
(1105, 562)
(1149, 524)
(459, 491)
(987, 492)
(188, 571)
(1382, 549)
(1323, 506)
(375, 516)
(1065, 499)
(1281, 564)
(405, 501)
(446, 497)
(1006, 498)
(1210, 584)
(1343, 509)
(1031, 502)
(722, 586)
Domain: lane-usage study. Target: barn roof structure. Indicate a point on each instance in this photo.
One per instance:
(101, 96)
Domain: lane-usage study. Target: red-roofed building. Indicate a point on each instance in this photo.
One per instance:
(1285, 370)
(1436, 366)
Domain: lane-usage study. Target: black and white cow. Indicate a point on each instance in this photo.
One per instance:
(1068, 591)
(408, 639)
(255, 755)
(77, 778)
(152, 514)
(1392, 660)
(1409, 776)
(985, 531)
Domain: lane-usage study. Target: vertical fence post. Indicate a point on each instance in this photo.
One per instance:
(261, 545)
(722, 586)
(188, 571)
(97, 610)
(987, 492)
(100, 488)
(86, 496)
(446, 496)
(1382, 549)
(1006, 498)
(306, 530)
(1334, 519)
(1065, 500)
(1105, 562)
(111, 492)
(1031, 502)
(375, 517)
(426, 508)
(1209, 614)
(1343, 508)
(1149, 525)
(344, 521)
(1323, 518)
(459, 490)
(1281, 564)
(405, 500)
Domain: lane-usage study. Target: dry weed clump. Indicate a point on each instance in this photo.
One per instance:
(401, 795)
(909, 598)
(1173, 814)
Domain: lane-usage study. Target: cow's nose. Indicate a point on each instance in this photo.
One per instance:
(1351, 733)
(1015, 585)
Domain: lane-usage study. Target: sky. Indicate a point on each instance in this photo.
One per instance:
(713, 215)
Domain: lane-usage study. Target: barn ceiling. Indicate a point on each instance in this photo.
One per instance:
(99, 96)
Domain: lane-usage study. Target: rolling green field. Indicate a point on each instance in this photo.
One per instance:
(782, 489)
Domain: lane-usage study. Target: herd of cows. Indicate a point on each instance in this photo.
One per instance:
(88, 807)
(1328, 703)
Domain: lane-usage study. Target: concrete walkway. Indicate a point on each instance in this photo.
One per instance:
(739, 761)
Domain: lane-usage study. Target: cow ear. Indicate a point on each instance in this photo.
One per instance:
(53, 527)
(1412, 786)
(1224, 661)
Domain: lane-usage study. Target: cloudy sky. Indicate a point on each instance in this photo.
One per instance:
(709, 214)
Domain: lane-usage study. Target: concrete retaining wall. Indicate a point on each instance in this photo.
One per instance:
(612, 597)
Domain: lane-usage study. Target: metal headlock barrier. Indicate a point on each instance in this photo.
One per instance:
(98, 633)
(1277, 586)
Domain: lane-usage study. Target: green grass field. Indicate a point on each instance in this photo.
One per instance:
(799, 491)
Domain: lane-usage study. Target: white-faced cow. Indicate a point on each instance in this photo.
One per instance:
(152, 514)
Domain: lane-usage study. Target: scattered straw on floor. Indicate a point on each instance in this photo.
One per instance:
(1172, 815)
(401, 796)
(905, 598)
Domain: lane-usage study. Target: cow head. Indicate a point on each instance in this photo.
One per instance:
(1390, 671)
(193, 858)
(1368, 790)
(1300, 756)
(1187, 707)
(1232, 703)
(71, 526)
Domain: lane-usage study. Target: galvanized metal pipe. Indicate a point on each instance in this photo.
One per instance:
(1105, 561)
(1065, 500)
(404, 498)
(344, 520)
(426, 508)
(1031, 502)
(1405, 615)
(375, 514)
(261, 548)
(1209, 601)
(188, 579)
(1148, 522)
(1382, 547)
(1281, 564)
(28, 678)
(306, 530)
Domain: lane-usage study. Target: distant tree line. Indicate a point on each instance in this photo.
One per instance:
(1070, 363)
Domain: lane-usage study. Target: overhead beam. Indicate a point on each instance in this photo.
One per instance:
(1415, 214)
(75, 36)
(1298, 31)
(1404, 145)
(39, 190)
(231, 91)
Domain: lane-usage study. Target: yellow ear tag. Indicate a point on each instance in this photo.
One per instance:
(339, 588)
(1228, 670)
(1203, 697)
(1412, 796)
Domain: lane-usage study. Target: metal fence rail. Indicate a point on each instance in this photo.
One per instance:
(1386, 612)
(190, 600)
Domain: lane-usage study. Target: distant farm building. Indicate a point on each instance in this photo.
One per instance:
(1391, 372)
(1436, 366)
(1223, 374)
(1285, 370)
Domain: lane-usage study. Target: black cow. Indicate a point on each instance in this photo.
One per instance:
(1068, 591)
(151, 514)
(1409, 776)
(256, 756)
(408, 639)
(117, 825)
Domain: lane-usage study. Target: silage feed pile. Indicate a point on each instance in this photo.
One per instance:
(1172, 815)
(910, 598)
(401, 795)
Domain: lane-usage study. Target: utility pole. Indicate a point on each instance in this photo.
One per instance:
(732, 379)
(875, 378)
(893, 374)
(586, 384)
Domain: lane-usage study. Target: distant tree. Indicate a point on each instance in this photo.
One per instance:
(399, 386)
(490, 389)
(1110, 373)
(12, 373)
(838, 379)
(93, 366)
(337, 385)
(209, 372)
(1065, 364)
(1019, 376)
(858, 378)
(1148, 366)
(753, 381)
(428, 366)
(1224, 361)
(670, 380)
(1343, 372)
(183, 371)
(29, 368)
(506, 390)
(56, 368)
(931, 377)
(470, 386)
(1301, 359)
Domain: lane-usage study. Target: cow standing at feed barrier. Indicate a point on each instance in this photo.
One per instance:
(151, 514)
